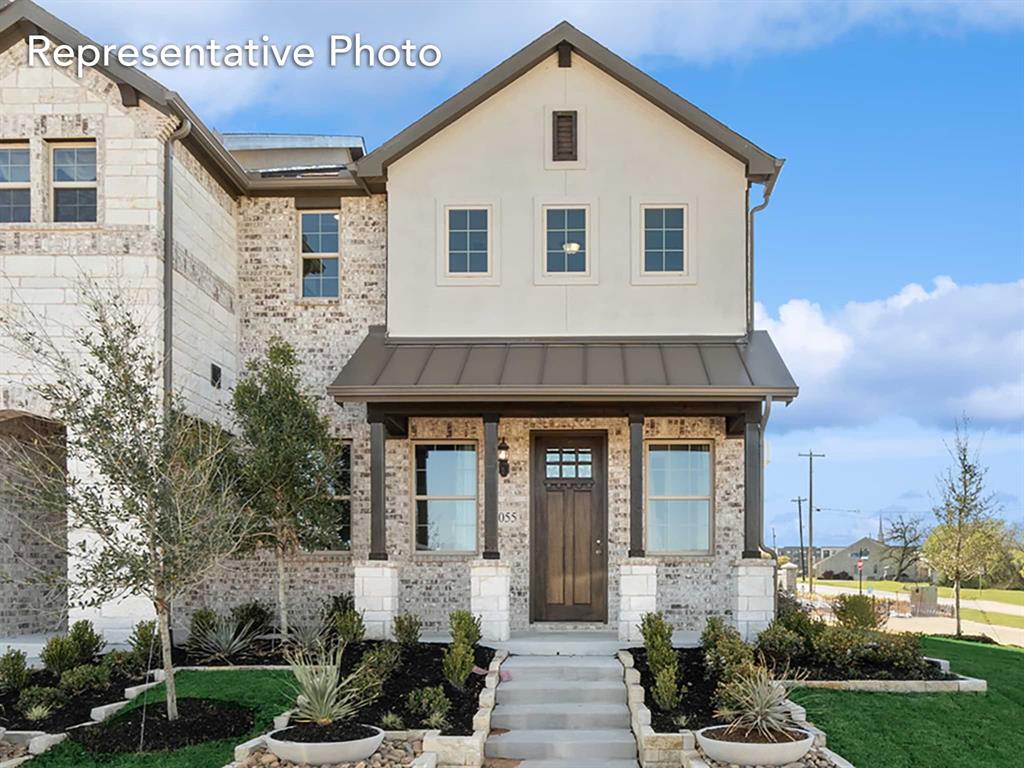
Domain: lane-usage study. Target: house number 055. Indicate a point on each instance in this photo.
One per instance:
(507, 517)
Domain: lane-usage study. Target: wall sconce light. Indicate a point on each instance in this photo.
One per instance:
(503, 458)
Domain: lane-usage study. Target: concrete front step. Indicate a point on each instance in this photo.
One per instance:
(563, 668)
(561, 692)
(577, 764)
(546, 716)
(578, 745)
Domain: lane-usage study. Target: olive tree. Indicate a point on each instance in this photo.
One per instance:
(287, 460)
(966, 537)
(150, 497)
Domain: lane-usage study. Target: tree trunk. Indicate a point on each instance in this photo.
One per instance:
(282, 598)
(956, 605)
(164, 621)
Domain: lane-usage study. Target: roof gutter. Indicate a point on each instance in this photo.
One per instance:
(183, 130)
(769, 185)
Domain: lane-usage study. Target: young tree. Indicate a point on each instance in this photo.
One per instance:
(966, 537)
(288, 460)
(151, 494)
(904, 537)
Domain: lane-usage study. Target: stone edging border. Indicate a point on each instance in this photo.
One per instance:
(439, 751)
(670, 750)
(961, 683)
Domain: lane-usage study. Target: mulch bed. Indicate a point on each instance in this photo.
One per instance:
(199, 720)
(312, 733)
(75, 712)
(983, 639)
(420, 667)
(696, 702)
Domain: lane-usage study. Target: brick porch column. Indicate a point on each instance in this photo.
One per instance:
(490, 585)
(638, 594)
(753, 596)
(376, 597)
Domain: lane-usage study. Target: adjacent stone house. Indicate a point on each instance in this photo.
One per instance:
(529, 316)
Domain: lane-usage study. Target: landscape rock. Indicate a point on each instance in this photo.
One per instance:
(392, 754)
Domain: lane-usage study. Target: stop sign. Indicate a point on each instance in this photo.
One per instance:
(860, 565)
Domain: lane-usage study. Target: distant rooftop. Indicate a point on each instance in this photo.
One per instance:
(242, 141)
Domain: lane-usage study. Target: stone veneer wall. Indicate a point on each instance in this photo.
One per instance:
(32, 567)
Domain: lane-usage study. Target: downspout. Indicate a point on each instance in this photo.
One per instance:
(765, 415)
(181, 132)
(769, 185)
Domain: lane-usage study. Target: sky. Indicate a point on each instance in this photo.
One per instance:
(890, 262)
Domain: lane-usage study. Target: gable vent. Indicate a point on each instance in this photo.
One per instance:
(564, 136)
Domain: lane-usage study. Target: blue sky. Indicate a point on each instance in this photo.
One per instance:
(891, 260)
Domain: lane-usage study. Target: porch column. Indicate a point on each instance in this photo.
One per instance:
(753, 479)
(378, 531)
(636, 485)
(491, 487)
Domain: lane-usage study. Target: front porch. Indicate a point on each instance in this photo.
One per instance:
(564, 485)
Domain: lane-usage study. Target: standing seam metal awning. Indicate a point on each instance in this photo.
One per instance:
(481, 370)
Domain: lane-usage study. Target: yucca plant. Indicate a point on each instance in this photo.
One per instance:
(322, 695)
(307, 636)
(223, 640)
(754, 699)
(37, 712)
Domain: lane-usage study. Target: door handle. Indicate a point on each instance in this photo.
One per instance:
(597, 543)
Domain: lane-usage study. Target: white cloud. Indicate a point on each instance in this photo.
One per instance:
(476, 36)
(927, 355)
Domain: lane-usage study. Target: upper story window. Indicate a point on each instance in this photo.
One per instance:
(565, 237)
(663, 250)
(564, 136)
(74, 181)
(445, 496)
(679, 492)
(319, 237)
(15, 192)
(469, 241)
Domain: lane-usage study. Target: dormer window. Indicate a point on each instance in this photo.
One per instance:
(564, 136)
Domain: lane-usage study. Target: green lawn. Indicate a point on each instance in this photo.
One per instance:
(892, 730)
(1015, 620)
(263, 690)
(1008, 596)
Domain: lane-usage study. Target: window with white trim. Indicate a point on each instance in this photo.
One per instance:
(15, 184)
(468, 241)
(663, 239)
(679, 493)
(74, 181)
(320, 260)
(565, 240)
(445, 495)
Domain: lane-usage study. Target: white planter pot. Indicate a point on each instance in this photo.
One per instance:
(318, 753)
(742, 753)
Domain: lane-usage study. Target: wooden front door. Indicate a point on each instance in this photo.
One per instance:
(568, 528)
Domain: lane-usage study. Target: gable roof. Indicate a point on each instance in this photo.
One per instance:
(761, 166)
(22, 18)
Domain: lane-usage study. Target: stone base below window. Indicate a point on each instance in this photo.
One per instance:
(754, 596)
(638, 594)
(376, 597)
(490, 584)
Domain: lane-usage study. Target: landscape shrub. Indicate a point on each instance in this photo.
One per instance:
(202, 619)
(225, 641)
(337, 604)
(465, 627)
(381, 660)
(120, 664)
(306, 635)
(842, 576)
(794, 615)
(828, 575)
(858, 611)
(662, 660)
(392, 721)
(457, 663)
(86, 677)
(87, 641)
(14, 672)
(780, 646)
(427, 705)
(724, 650)
(900, 653)
(407, 629)
(839, 648)
(41, 696)
(754, 700)
(143, 643)
(254, 613)
(59, 655)
(349, 626)
(322, 694)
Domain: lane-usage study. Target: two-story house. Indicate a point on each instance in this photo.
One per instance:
(529, 316)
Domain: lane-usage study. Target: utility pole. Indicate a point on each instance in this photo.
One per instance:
(811, 456)
(774, 546)
(800, 516)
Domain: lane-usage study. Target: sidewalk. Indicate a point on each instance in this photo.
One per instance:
(991, 606)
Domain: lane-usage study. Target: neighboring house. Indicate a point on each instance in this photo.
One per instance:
(880, 562)
(529, 316)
